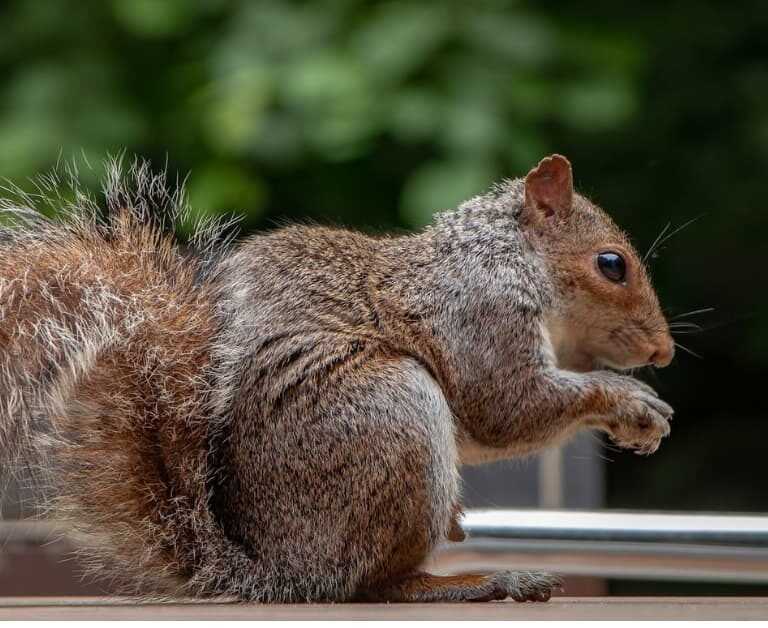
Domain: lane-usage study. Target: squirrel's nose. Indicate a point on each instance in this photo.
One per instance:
(663, 353)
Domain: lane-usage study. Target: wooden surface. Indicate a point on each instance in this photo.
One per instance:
(563, 608)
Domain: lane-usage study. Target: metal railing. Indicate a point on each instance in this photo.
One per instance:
(642, 545)
(714, 547)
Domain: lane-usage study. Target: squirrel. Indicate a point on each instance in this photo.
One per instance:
(284, 419)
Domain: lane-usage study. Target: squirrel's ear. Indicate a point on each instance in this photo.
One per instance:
(548, 188)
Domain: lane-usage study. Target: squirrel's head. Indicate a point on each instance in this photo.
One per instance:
(606, 310)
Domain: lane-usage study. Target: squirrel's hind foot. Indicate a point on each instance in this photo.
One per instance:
(521, 586)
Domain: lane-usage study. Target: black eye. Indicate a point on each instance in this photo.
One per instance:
(612, 265)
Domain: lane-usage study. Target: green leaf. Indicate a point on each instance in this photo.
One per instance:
(223, 188)
(440, 186)
(597, 104)
(398, 38)
(154, 18)
(236, 104)
(517, 37)
(335, 103)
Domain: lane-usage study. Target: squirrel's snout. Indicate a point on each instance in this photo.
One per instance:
(663, 353)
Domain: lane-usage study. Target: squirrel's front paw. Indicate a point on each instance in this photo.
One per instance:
(641, 419)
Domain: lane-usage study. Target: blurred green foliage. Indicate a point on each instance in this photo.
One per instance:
(378, 114)
(233, 91)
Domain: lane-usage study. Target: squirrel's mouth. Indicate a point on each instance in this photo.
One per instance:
(588, 362)
(601, 365)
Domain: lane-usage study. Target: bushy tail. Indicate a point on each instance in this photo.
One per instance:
(106, 329)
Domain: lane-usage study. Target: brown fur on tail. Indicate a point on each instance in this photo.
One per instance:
(105, 356)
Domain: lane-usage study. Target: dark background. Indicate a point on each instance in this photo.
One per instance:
(377, 114)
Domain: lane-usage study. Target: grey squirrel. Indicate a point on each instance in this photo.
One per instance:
(283, 419)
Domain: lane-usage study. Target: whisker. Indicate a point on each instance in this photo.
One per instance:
(609, 446)
(685, 325)
(692, 328)
(652, 248)
(676, 231)
(687, 330)
(688, 351)
(702, 310)
(651, 373)
(603, 441)
(606, 458)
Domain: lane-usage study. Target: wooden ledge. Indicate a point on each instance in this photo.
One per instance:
(562, 608)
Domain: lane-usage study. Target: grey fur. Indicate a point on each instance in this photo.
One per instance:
(316, 391)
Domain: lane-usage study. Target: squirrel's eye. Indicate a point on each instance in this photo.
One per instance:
(612, 265)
